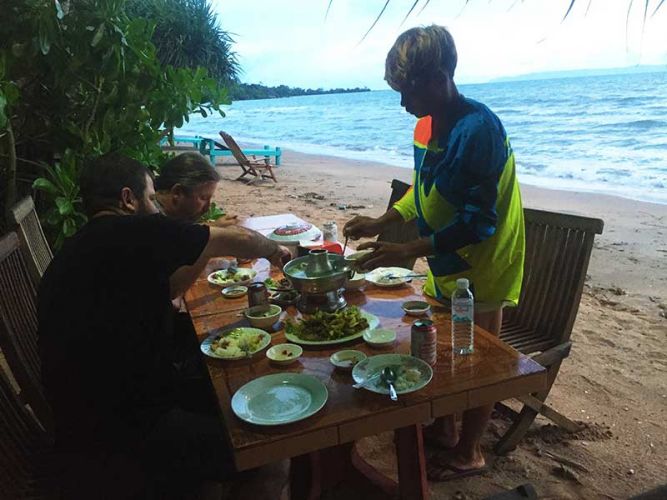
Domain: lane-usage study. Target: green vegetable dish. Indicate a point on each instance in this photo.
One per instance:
(323, 326)
(213, 213)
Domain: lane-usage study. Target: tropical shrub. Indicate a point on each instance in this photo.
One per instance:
(82, 79)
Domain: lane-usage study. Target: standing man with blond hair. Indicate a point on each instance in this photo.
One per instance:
(466, 201)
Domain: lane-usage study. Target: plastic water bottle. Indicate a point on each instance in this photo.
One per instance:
(463, 314)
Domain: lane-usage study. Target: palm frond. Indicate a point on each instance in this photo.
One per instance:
(427, 1)
(409, 12)
(627, 22)
(375, 22)
(327, 12)
(569, 9)
(588, 7)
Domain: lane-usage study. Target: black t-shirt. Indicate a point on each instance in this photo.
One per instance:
(105, 325)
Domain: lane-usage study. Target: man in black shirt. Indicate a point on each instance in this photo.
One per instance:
(105, 326)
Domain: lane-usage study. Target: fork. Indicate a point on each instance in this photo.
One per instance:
(399, 276)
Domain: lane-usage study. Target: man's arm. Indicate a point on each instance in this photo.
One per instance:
(232, 241)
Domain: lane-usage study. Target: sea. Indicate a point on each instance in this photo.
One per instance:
(602, 134)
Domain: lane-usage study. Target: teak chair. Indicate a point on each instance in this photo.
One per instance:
(23, 448)
(18, 327)
(255, 168)
(558, 249)
(34, 246)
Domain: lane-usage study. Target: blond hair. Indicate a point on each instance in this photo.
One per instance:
(418, 54)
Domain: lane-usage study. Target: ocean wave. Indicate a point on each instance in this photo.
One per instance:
(602, 134)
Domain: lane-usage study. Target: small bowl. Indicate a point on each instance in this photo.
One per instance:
(416, 307)
(234, 291)
(379, 337)
(352, 258)
(356, 282)
(345, 360)
(284, 354)
(263, 316)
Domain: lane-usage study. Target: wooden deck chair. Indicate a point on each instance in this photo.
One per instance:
(18, 327)
(400, 232)
(558, 249)
(254, 167)
(23, 443)
(35, 248)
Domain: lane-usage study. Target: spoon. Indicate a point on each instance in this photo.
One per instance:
(389, 377)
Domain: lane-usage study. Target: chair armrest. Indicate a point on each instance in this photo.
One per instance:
(553, 355)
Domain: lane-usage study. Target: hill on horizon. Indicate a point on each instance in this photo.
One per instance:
(574, 73)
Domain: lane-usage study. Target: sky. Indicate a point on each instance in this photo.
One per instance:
(289, 42)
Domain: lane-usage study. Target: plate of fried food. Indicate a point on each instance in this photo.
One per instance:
(232, 276)
(328, 328)
(236, 343)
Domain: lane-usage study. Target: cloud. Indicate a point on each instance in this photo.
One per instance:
(288, 42)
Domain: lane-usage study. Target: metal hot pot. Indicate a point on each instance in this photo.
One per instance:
(320, 277)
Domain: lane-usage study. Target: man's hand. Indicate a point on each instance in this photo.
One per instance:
(224, 221)
(280, 257)
(384, 254)
(361, 226)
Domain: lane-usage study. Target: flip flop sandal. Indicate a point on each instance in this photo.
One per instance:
(454, 473)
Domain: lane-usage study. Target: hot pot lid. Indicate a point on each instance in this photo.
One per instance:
(295, 232)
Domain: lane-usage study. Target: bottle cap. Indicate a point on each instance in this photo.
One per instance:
(462, 283)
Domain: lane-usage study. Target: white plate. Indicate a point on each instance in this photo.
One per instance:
(249, 275)
(370, 368)
(206, 345)
(279, 398)
(376, 276)
(373, 322)
(379, 337)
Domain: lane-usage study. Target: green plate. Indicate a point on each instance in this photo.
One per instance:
(280, 398)
(370, 368)
(373, 322)
(235, 333)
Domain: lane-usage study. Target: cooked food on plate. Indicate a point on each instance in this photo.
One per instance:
(236, 342)
(328, 325)
(230, 276)
(406, 378)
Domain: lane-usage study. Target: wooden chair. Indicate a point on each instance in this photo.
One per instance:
(34, 246)
(23, 443)
(558, 249)
(18, 327)
(400, 232)
(253, 167)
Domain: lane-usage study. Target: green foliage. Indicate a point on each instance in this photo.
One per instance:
(90, 82)
(187, 35)
(244, 91)
(213, 213)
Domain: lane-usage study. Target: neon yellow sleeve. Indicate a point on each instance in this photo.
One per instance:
(406, 205)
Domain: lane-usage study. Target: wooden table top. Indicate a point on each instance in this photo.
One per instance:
(493, 372)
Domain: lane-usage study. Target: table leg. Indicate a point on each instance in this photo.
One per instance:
(305, 477)
(412, 481)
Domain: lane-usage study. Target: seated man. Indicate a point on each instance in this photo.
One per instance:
(185, 186)
(105, 325)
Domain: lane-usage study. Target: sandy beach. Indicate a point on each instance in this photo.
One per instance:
(615, 380)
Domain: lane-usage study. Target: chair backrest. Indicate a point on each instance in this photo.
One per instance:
(235, 149)
(21, 439)
(558, 249)
(400, 232)
(18, 327)
(33, 242)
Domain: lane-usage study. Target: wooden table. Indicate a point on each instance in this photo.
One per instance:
(492, 373)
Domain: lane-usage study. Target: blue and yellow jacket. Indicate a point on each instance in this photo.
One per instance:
(465, 197)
